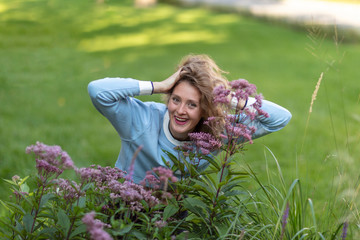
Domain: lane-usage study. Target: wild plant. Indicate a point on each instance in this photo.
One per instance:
(186, 200)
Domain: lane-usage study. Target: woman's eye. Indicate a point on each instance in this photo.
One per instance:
(192, 105)
(175, 100)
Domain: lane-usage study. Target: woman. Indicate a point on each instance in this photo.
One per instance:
(157, 126)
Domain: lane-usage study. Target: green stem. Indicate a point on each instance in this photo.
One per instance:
(70, 229)
(38, 209)
(229, 152)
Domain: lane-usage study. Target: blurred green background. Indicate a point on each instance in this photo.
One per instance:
(51, 49)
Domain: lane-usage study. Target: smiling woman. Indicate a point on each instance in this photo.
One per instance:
(184, 110)
(155, 127)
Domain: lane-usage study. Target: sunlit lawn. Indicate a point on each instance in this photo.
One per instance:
(50, 50)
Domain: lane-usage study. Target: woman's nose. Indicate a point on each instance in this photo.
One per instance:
(181, 109)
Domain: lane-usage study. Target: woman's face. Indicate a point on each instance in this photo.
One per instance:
(184, 110)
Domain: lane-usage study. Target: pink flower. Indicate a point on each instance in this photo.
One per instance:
(132, 194)
(160, 179)
(151, 181)
(221, 95)
(160, 224)
(69, 190)
(46, 169)
(95, 227)
(205, 142)
(50, 159)
(101, 176)
(90, 174)
(164, 174)
(15, 178)
(242, 84)
(66, 161)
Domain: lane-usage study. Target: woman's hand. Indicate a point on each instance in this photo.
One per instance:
(165, 85)
(237, 104)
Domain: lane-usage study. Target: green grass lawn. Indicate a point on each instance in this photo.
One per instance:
(50, 50)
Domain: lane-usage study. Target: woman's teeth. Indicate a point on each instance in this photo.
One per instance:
(180, 119)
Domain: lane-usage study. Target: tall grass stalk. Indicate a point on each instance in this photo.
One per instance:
(341, 153)
(287, 213)
(313, 98)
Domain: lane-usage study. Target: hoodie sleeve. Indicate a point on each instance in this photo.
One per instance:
(113, 98)
(278, 118)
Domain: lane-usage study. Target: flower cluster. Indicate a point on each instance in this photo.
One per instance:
(112, 181)
(160, 224)
(69, 190)
(95, 227)
(111, 187)
(236, 131)
(205, 143)
(100, 176)
(221, 95)
(132, 194)
(15, 179)
(158, 178)
(242, 89)
(50, 160)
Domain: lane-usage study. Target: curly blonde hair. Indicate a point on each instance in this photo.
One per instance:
(203, 73)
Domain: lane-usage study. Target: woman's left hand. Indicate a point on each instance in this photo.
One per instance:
(165, 85)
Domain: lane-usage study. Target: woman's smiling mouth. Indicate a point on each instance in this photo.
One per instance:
(180, 121)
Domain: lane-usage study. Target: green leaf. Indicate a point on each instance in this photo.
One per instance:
(209, 170)
(14, 207)
(222, 229)
(23, 180)
(87, 186)
(63, 220)
(233, 193)
(80, 229)
(223, 174)
(139, 235)
(48, 215)
(10, 182)
(45, 199)
(82, 202)
(169, 211)
(123, 230)
(238, 173)
(10, 226)
(49, 232)
(28, 221)
(212, 162)
(201, 186)
(5, 205)
(24, 188)
(171, 156)
(195, 205)
(229, 186)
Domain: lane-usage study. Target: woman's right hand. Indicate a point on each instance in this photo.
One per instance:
(165, 85)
